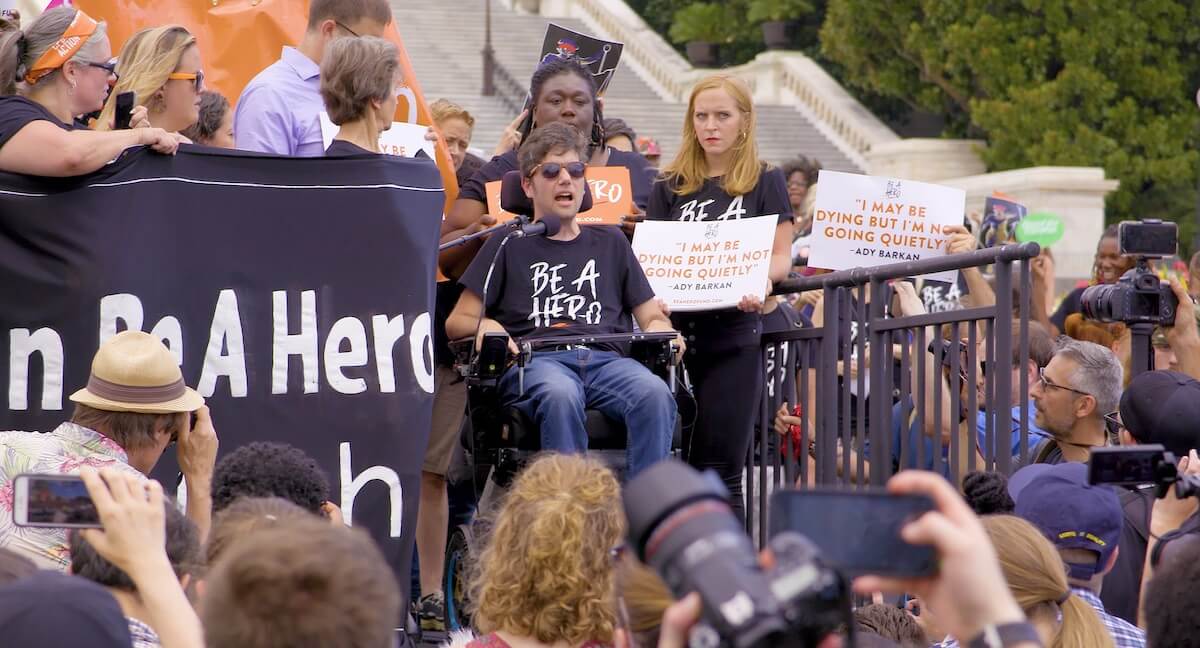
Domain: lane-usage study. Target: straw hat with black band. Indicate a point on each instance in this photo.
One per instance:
(135, 372)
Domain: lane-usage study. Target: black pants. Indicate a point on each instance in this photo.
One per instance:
(728, 387)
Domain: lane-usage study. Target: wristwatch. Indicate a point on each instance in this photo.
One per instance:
(1006, 634)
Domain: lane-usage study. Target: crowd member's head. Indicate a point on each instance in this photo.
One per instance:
(360, 80)
(1038, 581)
(1109, 263)
(1170, 604)
(642, 598)
(619, 135)
(648, 148)
(136, 397)
(183, 550)
(801, 173)
(53, 610)
(892, 623)
(1081, 383)
(1041, 351)
(1162, 407)
(161, 66)
(61, 58)
(14, 566)
(245, 517)
(266, 469)
(986, 492)
(329, 20)
(302, 583)
(804, 217)
(553, 162)
(545, 572)
(215, 124)
(1081, 520)
(719, 131)
(456, 126)
(563, 90)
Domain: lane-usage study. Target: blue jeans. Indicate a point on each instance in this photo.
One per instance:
(560, 385)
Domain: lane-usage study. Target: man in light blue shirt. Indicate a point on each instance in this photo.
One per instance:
(278, 111)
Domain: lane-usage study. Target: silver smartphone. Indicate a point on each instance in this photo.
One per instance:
(54, 501)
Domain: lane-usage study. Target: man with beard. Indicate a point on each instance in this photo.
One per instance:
(1074, 392)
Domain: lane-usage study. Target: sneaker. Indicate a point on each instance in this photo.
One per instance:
(432, 610)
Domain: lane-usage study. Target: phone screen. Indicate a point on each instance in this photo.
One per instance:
(124, 110)
(857, 532)
(53, 501)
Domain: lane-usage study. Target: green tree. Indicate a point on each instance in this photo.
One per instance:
(1047, 82)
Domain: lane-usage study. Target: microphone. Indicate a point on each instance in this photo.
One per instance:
(548, 225)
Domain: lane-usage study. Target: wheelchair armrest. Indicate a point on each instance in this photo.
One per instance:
(486, 364)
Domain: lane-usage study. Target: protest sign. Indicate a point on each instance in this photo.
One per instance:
(1042, 228)
(402, 139)
(598, 56)
(1001, 217)
(295, 293)
(612, 197)
(871, 221)
(705, 265)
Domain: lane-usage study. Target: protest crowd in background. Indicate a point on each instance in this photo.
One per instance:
(254, 548)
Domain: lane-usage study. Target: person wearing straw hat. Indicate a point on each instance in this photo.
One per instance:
(135, 404)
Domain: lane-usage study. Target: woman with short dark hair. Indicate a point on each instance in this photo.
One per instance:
(359, 82)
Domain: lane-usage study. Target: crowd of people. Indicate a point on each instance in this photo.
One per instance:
(256, 553)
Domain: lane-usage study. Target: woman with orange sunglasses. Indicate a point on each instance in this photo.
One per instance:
(161, 65)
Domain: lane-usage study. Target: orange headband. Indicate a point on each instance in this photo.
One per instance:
(78, 32)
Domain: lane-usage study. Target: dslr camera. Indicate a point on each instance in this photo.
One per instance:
(680, 523)
(1141, 465)
(1138, 297)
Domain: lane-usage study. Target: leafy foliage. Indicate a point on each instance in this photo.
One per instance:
(758, 11)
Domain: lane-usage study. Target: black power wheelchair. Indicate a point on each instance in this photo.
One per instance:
(500, 440)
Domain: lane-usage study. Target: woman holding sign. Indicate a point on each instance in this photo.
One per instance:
(562, 91)
(717, 176)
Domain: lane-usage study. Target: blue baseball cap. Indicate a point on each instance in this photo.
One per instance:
(1072, 513)
(50, 609)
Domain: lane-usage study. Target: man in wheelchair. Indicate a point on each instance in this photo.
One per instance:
(579, 281)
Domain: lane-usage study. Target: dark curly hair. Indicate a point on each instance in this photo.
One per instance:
(265, 469)
(987, 493)
(213, 106)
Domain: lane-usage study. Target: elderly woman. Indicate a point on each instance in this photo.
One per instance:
(360, 80)
(161, 66)
(545, 575)
(50, 73)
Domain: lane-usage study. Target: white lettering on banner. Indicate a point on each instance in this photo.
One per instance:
(346, 346)
(303, 344)
(351, 485)
(21, 346)
(224, 335)
(558, 304)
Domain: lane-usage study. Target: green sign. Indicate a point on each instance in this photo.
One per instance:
(1042, 228)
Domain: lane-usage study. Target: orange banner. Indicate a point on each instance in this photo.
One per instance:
(238, 38)
(612, 197)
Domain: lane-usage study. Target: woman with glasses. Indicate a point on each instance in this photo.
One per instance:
(360, 78)
(50, 73)
(161, 66)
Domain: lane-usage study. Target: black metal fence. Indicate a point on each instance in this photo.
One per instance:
(879, 392)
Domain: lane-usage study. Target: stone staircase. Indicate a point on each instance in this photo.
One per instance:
(444, 39)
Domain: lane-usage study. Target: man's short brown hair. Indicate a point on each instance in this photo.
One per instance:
(550, 139)
(348, 12)
(130, 430)
(302, 583)
(355, 71)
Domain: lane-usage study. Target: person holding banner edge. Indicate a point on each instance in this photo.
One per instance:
(563, 91)
(717, 176)
(51, 72)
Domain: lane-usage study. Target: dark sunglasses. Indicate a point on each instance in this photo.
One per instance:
(108, 66)
(551, 170)
(1113, 425)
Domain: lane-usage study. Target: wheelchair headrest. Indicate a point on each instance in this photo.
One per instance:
(514, 200)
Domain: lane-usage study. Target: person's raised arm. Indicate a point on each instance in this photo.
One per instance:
(43, 149)
(197, 455)
(1184, 337)
(466, 216)
(1167, 514)
(134, 539)
(979, 291)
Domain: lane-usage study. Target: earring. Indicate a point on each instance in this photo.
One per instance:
(73, 84)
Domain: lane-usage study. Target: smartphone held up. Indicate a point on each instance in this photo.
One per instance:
(53, 501)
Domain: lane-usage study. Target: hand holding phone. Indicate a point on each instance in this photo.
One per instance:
(124, 110)
(53, 501)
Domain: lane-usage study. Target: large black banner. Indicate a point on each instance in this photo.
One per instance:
(297, 293)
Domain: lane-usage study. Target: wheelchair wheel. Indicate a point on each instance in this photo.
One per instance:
(458, 554)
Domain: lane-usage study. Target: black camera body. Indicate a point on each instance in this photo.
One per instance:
(1141, 465)
(1138, 297)
(680, 523)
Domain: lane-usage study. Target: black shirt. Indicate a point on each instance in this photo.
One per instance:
(544, 287)
(18, 112)
(342, 148)
(727, 328)
(1070, 305)
(476, 187)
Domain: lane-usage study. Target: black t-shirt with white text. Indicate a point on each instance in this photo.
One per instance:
(728, 328)
(543, 287)
(18, 112)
